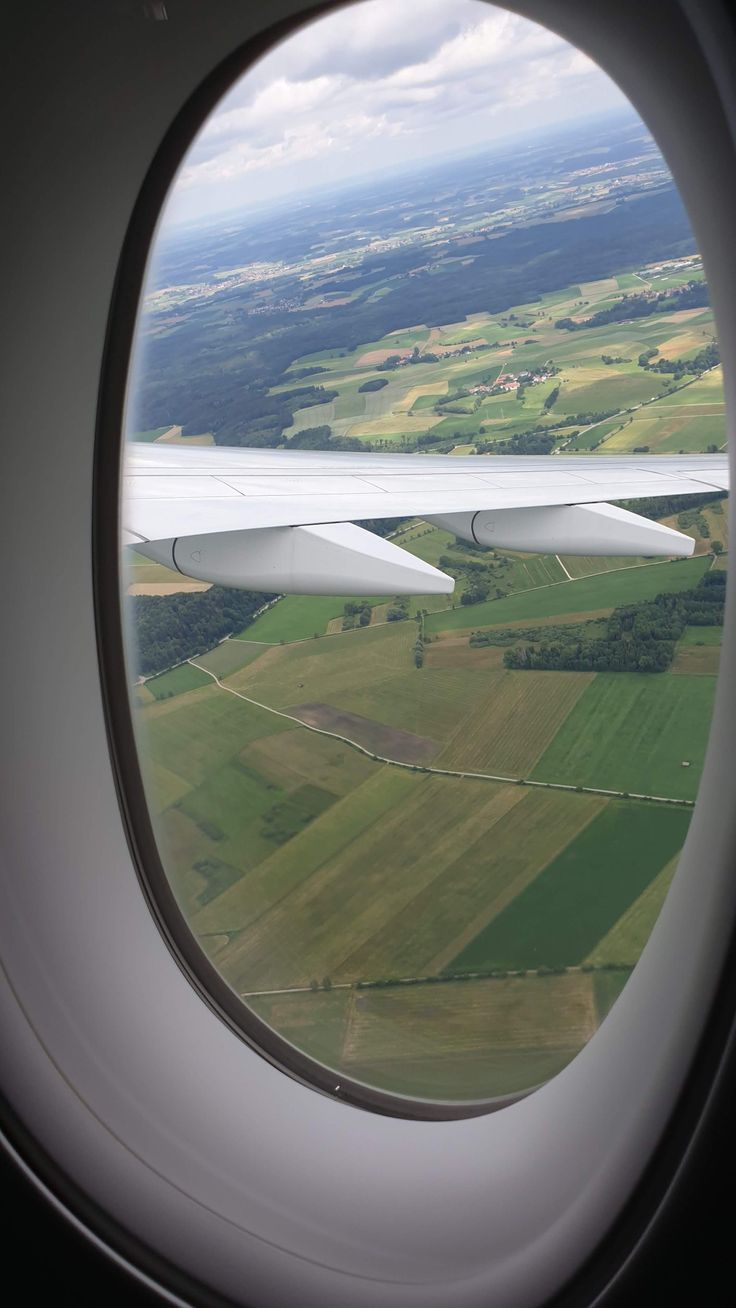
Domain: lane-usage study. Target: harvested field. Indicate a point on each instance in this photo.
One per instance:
(372, 357)
(455, 652)
(438, 388)
(507, 838)
(473, 1039)
(295, 757)
(390, 742)
(521, 714)
(699, 661)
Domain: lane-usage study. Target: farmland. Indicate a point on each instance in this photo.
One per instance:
(387, 911)
(598, 592)
(459, 1038)
(304, 864)
(563, 913)
(633, 732)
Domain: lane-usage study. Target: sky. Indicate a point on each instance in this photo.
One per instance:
(377, 85)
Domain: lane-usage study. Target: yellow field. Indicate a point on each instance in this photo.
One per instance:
(509, 731)
(378, 613)
(437, 388)
(174, 437)
(464, 1040)
(678, 345)
(717, 526)
(181, 587)
(410, 423)
(598, 290)
(460, 1016)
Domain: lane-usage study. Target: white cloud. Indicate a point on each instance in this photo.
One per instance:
(375, 82)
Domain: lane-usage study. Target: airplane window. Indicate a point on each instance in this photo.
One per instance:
(420, 716)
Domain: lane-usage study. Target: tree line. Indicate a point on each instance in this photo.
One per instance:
(638, 637)
(171, 628)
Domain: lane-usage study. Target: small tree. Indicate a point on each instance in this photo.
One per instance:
(327, 983)
(716, 547)
(313, 984)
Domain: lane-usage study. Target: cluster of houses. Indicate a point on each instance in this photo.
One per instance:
(511, 381)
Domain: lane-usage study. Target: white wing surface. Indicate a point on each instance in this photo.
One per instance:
(282, 520)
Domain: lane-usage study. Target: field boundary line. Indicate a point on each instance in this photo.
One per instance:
(465, 775)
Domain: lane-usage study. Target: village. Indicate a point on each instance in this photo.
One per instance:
(511, 381)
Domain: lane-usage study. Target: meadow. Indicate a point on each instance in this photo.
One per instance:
(570, 906)
(633, 731)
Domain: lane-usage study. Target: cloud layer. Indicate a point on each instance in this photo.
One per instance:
(379, 83)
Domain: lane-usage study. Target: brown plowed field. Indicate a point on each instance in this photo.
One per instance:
(390, 742)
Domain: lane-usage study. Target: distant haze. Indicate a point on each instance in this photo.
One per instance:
(377, 85)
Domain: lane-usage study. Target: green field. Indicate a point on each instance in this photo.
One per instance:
(229, 657)
(562, 914)
(607, 591)
(296, 617)
(632, 731)
(701, 636)
(177, 681)
(627, 938)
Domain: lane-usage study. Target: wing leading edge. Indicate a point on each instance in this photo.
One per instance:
(285, 521)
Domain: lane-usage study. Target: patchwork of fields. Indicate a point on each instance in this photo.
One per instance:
(362, 906)
(598, 372)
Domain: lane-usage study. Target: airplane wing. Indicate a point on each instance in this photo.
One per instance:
(282, 520)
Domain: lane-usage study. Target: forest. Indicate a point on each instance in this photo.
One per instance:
(171, 628)
(638, 637)
(216, 367)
